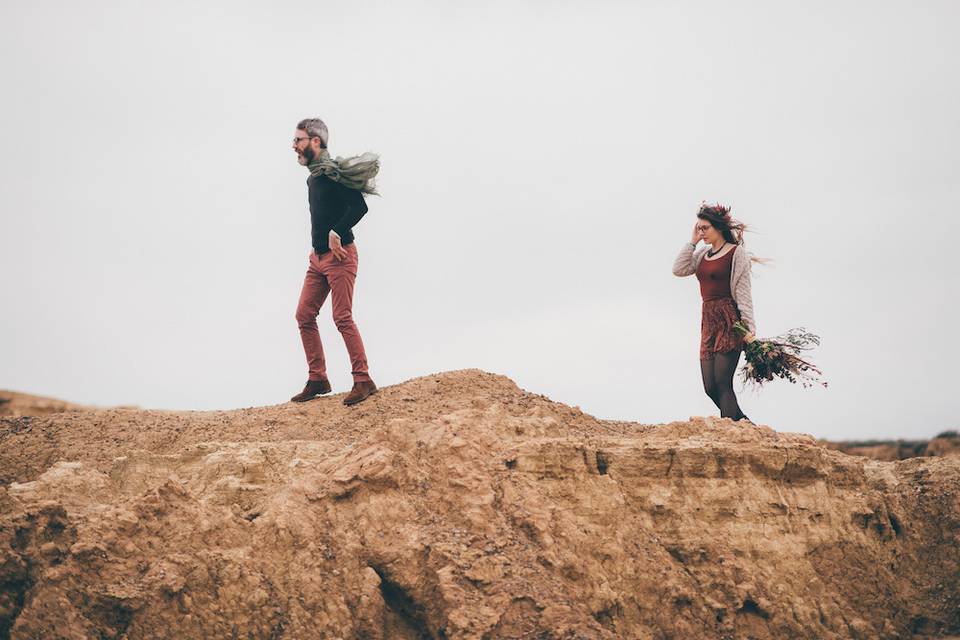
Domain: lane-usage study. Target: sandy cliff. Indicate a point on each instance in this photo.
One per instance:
(459, 506)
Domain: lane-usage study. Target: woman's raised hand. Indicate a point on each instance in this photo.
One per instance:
(695, 238)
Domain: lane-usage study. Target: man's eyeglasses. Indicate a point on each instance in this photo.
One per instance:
(298, 139)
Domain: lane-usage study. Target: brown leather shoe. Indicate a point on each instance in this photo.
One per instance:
(313, 389)
(360, 392)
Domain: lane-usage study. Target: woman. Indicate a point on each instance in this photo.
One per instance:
(723, 268)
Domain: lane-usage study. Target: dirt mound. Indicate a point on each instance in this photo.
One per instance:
(945, 444)
(459, 506)
(24, 404)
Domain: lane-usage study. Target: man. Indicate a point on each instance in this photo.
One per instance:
(335, 192)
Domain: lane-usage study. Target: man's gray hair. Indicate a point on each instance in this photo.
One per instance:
(315, 128)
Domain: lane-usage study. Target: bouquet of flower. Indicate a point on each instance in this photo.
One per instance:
(779, 357)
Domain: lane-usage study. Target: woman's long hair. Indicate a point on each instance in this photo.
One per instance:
(731, 229)
(719, 216)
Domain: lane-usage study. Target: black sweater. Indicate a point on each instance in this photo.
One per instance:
(332, 206)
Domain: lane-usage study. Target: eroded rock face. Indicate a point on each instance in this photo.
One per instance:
(458, 506)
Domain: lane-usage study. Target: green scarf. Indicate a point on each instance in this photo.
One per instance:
(357, 172)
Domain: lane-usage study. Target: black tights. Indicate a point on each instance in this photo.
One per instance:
(718, 383)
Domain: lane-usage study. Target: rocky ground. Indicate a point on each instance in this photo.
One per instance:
(459, 506)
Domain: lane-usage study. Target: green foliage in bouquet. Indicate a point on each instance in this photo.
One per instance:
(779, 357)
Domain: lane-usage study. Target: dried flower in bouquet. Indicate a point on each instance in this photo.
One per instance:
(779, 357)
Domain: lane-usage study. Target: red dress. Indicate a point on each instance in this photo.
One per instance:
(719, 310)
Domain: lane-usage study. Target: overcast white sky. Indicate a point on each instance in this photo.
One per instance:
(541, 166)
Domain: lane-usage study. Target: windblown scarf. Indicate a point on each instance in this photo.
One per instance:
(357, 172)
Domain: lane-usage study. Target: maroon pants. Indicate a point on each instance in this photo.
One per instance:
(327, 275)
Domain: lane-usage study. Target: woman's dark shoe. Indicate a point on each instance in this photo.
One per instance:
(313, 389)
(360, 392)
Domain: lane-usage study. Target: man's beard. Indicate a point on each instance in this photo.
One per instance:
(306, 156)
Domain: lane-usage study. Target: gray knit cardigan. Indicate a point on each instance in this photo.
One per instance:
(686, 265)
